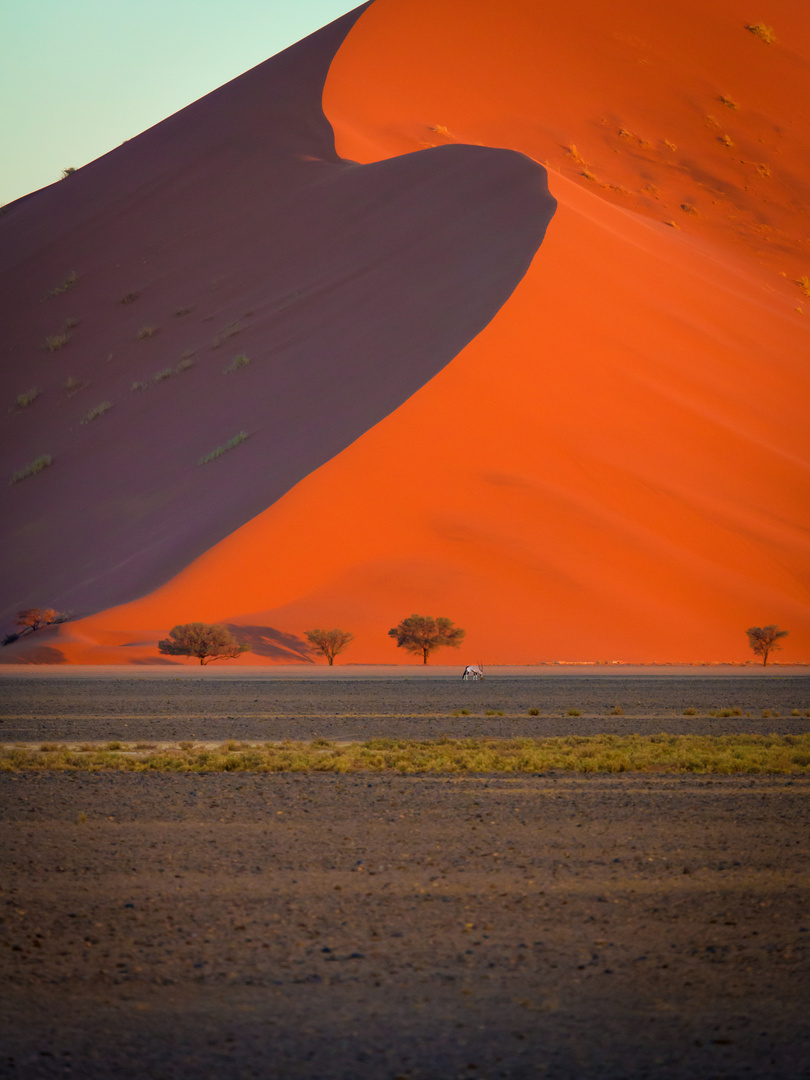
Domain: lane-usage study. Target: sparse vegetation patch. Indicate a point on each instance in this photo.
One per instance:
(220, 450)
(239, 361)
(35, 467)
(96, 411)
(26, 399)
(63, 286)
(229, 331)
(55, 342)
(763, 32)
(724, 754)
(146, 332)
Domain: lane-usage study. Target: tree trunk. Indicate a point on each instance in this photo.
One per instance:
(424, 656)
(331, 660)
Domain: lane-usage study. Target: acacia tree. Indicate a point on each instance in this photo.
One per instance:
(208, 641)
(30, 619)
(329, 642)
(765, 639)
(423, 634)
(34, 617)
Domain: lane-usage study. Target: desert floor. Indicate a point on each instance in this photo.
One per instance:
(381, 926)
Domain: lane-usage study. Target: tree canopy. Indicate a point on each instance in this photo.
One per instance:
(329, 642)
(422, 634)
(765, 639)
(207, 641)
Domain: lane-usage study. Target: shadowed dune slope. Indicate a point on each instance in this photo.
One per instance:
(617, 465)
(234, 278)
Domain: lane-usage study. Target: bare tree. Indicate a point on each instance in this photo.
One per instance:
(329, 642)
(422, 634)
(765, 639)
(208, 641)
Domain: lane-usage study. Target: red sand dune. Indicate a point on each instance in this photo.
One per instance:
(617, 465)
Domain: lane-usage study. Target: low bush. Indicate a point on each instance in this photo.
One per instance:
(534, 712)
(573, 712)
(690, 711)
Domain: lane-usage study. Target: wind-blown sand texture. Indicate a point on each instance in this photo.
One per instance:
(597, 449)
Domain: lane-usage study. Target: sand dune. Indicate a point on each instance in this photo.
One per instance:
(234, 230)
(616, 465)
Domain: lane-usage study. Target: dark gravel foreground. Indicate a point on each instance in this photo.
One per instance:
(205, 708)
(380, 927)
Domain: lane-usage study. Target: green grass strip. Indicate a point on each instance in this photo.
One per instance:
(580, 754)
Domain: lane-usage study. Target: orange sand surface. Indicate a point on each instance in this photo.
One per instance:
(616, 467)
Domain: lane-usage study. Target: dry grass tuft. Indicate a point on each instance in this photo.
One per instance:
(181, 311)
(72, 386)
(167, 373)
(63, 286)
(239, 361)
(35, 467)
(26, 399)
(726, 140)
(763, 32)
(146, 332)
(96, 411)
(804, 285)
(55, 342)
(129, 297)
(229, 331)
(573, 712)
(688, 208)
(724, 754)
(220, 450)
(729, 104)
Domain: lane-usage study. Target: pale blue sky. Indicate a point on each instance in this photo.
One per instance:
(78, 77)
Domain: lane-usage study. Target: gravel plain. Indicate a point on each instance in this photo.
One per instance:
(222, 705)
(383, 926)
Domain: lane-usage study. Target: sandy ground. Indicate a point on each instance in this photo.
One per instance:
(210, 704)
(383, 927)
